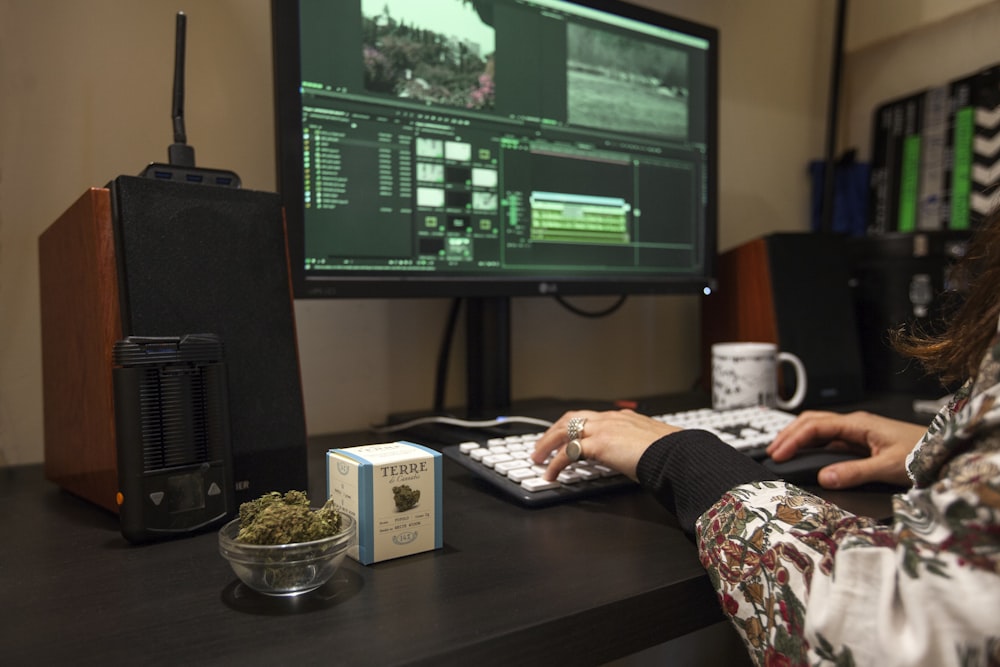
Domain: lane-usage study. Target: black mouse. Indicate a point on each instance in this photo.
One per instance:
(802, 468)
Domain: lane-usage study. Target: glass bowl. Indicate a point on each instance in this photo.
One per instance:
(286, 569)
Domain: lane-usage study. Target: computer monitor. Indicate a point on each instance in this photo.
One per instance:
(491, 149)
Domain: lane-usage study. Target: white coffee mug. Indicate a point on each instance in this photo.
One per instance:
(746, 374)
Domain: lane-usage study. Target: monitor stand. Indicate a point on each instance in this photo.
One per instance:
(488, 356)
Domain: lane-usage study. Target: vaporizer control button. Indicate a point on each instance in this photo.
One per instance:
(213, 489)
(157, 497)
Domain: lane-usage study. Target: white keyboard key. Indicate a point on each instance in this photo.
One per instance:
(467, 447)
(587, 473)
(478, 454)
(538, 484)
(568, 477)
(490, 460)
(521, 474)
(504, 467)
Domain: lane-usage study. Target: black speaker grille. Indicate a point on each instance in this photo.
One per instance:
(213, 260)
(175, 426)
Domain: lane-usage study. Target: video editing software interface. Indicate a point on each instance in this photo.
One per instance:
(504, 138)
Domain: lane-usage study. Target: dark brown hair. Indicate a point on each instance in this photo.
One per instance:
(955, 353)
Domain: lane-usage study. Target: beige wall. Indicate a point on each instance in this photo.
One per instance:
(870, 22)
(84, 97)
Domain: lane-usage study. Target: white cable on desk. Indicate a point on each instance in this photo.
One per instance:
(453, 421)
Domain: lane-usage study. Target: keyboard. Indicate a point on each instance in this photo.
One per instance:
(749, 430)
(504, 462)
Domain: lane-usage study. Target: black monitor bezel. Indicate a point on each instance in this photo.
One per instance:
(288, 135)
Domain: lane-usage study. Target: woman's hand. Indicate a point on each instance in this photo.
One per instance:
(887, 441)
(616, 439)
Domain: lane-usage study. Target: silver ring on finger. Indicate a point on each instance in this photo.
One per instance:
(574, 450)
(574, 429)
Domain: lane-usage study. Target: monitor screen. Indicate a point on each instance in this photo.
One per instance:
(483, 148)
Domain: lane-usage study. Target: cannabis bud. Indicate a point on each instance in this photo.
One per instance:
(281, 519)
(405, 497)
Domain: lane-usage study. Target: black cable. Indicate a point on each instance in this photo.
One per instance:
(588, 313)
(829, 176)
(444, 353)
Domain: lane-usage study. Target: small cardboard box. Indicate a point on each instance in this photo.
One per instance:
(393, 490)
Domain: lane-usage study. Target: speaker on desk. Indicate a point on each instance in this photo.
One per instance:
(793, 290)
(903, 278)
(148, 258)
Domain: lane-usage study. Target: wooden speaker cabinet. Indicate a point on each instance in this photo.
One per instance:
(81, 321)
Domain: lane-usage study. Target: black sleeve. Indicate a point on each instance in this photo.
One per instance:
(688, 471)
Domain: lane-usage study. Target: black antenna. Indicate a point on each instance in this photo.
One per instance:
(179, 153)
(179, 166)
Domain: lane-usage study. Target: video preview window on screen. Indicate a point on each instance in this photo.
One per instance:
(470, 137)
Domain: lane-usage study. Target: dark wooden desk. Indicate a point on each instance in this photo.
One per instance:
(574, 584)
(578, 584)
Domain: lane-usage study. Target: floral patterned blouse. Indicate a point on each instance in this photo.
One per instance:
(807, 583)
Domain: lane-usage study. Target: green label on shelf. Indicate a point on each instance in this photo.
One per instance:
(961, 175)
(909, 183)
